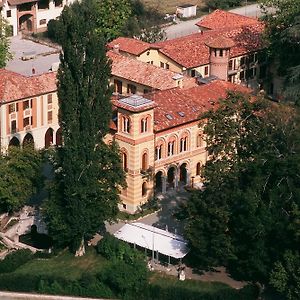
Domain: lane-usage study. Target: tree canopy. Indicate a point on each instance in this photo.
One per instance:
(4, 43)
(283, 34)
(20, 177)
(88, 171)
(247, 217)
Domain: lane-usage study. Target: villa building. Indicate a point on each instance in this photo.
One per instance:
(190, 54)
(31, 15)
(159, 93)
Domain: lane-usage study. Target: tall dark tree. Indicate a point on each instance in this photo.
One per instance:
(246, 217)
(88, 171)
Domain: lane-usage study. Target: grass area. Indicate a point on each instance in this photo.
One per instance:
(66, 265)
(169, 6)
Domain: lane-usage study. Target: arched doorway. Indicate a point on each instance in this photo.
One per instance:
(58, 137)
(171, 177)
(26, 23)
(14, 142)
(158, 182)
(183, 173)
(28, 140)
(49, 138)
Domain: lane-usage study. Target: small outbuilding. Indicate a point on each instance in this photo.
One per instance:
(186, 10)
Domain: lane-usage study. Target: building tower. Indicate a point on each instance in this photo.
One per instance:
(135, 136)
(219, 49)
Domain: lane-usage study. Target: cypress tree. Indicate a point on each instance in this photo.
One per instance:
(88, 171)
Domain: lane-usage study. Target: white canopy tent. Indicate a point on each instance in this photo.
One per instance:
(154, 239)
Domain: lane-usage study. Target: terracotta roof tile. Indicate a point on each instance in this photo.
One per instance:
(14, 86)
(145, 74)
(224, 19)
(129, 45)
(190, 51)
(220, 42)
(185, 105)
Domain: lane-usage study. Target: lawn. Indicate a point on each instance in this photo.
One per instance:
(65, 265)
(169, 6)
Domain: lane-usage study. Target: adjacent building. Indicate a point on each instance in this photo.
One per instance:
(30, 16)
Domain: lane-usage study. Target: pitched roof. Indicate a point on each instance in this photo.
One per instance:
(177, 106)
(145, 74)
(14, 86)
(190, 51)
(129, 45)
(225, 19)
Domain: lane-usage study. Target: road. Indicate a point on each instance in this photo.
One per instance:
(188, 27)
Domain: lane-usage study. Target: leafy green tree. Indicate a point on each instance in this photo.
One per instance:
(283, 35)
(5, 54)
(20, 177)
(112, 17)
(285, 277)
(246, 218)
(88, 171)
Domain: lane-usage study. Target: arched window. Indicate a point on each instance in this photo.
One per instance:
(144, 189)
(171, 148)
(144, 125)
(125, 124)
(183, 144)
(200, 140)
(125, 161)
(144, 161)
(158, 152)
(198, 169)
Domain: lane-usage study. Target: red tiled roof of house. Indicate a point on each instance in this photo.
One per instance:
(15, 86)
(224, 19)
(145, 74)
(129, 45)
(190, 51)
(177, 106)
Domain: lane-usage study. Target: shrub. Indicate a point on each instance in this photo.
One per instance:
(126, 279)
(114, 249)
(53, 28)
(14, 260)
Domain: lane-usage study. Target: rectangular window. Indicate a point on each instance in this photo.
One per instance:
(49, 98)
(27, 104)
(43, 4)
(242, 76)
(13, 126)
(43, 22)
(230, 65)
(167, 66)
(131, 89)
(242, 61)
(8, 13)
(193, 73)
(12, 108)
(206, 71)
(50, 116)
(26, 122)
(146, 91)
(162, 65)
(118, 86)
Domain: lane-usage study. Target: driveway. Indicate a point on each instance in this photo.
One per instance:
(164, 218)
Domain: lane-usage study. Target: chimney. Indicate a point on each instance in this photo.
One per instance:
(116, 48)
